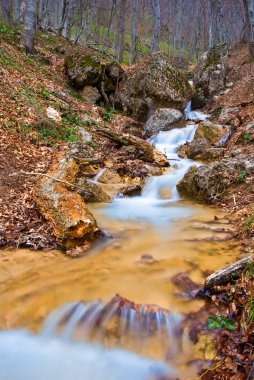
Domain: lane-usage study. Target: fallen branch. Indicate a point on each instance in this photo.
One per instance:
(113, 136)
(228, 273)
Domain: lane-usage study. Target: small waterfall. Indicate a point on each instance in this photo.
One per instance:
(118, 323)
(168, 142)
(96, 178)
(96, 318)
(194, 115)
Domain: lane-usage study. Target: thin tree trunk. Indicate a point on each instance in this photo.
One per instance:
(121, 32)
(134, 20)
(64, 16)
(156, 25)
(30, 25)
(249, 35)
(6, 11)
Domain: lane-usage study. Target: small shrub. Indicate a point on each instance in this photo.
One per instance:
(107, 116)
(249, 310)
(246, 137)
(242, 177)
(217, 111)
(217, 322)
(249, 271)
(249, 223)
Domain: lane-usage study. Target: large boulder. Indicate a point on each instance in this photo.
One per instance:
(197, 147)
(210, 75)
(82, 70)
(152, 84)
(163, 119)
(90, 94)
(209, 182)
(72, 222)
(213, 133)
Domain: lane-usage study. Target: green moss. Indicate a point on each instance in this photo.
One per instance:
(215, 55)
(90, 61)
(69, 62)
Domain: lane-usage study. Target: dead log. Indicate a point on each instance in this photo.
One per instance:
(228, 273)
(145, 151)
(72, 222)
(113, 136)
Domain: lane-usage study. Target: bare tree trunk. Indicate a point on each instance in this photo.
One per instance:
(121, 32)
(30, 25)
(6, 11)
(64, 16)
(134, 21)
(156, 25)
(249, 34)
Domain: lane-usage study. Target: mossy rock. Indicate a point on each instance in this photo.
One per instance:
(211, 182)
(82, 70)
(153, 84)
(213, 133)
(210, 75)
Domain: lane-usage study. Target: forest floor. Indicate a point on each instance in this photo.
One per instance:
(28, 86)
(31, 84)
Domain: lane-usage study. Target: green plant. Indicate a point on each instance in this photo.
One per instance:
(107, 116)
(71, 134)
(217, 321)
(92, 144)
(249, 223)
(249, 310)
(217, 111)
(44, 92)
(249, 271)
(242, 176)
(246, 137)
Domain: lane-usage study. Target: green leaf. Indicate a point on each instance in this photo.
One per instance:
(217, 322)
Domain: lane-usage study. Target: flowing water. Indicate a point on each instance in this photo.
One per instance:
(155, 236)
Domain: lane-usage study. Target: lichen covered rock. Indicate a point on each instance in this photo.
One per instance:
(83, 69)
(90, 94)
(72, 222)
(213, 133)
(197, 147)
(152, 84)
(210, 75)
(209, 182)
(163, 119)
(91, 192)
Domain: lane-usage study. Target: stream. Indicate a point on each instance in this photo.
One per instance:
(155, 236)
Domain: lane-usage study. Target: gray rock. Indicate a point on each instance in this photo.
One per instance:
(91, 192)
(82, 69)
(163, 119)
(153, 84)
(209, 182)
(197, 147)
(210, 75)
(212, 154)
(214, 133)
(90, 94)
(86, 137)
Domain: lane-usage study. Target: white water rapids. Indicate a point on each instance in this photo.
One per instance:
(24, 356)
(151, 205)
